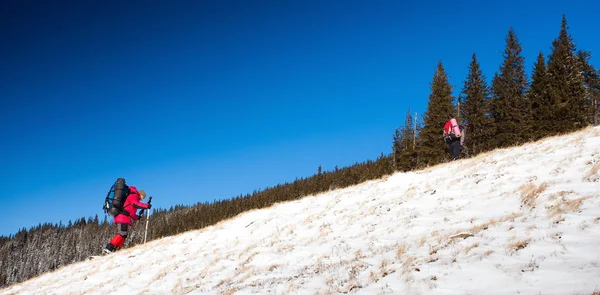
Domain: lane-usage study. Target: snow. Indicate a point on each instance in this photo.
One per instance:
(523, 220)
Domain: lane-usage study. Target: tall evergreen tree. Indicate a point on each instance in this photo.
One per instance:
(566, 87)
(591, 81)
(431, 147)
(397, 148)
(510, 107)
(475, 110)
(541, 107)
(404, 144)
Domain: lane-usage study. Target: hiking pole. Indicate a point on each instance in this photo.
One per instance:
(147, 214)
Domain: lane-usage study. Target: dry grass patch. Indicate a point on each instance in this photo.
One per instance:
(495, 222)
(469, 248)
(230, 291)
(407, 265)
(249, 258)
(561, 194)
(359, 254)
(460, 236)
(530, 192)
(593, 175)
(517, 245)
(245, 272)
(245, 251)
(567, 206)
(432, 259)
(163, 273)
(433, 249)
(401, 250)
(383, 266)
(373, 277)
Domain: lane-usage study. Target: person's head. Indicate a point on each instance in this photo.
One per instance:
(142, 194)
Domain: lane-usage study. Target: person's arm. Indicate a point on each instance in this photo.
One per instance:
(140, 205)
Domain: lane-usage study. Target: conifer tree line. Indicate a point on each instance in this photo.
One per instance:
(563, 95)
(47, 247)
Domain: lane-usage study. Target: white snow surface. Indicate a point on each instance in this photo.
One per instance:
(522, 220)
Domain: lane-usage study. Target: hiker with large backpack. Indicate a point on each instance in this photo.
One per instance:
(122, 202)
(454, 136)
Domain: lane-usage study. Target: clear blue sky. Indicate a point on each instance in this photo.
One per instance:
(200, 100)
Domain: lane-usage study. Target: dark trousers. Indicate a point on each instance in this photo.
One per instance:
(455, 148)
(122, 229)
(119, 239)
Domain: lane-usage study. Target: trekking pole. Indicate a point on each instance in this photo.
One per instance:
(147, 214)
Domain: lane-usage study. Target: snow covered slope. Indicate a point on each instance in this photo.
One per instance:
(524, 220)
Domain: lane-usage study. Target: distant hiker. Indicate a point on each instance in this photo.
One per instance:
(454, 137)
(123, 219)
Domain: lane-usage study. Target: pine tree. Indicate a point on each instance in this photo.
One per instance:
(510, 107)
(431, 147)
(404, 148)
(566, 87)
(475, 110)
(397, 148)
(541, 107)
(591, 81)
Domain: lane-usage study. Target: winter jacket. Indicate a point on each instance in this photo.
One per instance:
(132, 203)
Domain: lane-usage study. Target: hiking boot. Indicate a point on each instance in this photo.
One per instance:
(109, 248)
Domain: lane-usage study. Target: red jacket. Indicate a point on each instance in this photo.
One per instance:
(132, 203)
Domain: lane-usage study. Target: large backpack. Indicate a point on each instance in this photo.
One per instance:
(113, 205)
(454, 133)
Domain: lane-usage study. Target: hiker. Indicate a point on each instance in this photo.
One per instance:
(123, 219)
(453, 137)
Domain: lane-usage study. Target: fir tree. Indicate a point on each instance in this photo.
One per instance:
(566, 87)
(431, 147)
(510, 107)
(591, 81)
(475, 110)
(541, 107)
